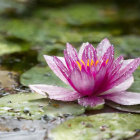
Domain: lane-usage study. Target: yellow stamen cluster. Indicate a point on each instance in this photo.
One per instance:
(88, 64)
(79, 65)
(106, 61)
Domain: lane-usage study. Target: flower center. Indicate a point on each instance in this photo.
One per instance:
(88, 63)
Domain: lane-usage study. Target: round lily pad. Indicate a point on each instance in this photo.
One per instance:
(39, 31)
(40, 75)
(136, 85)
(8, 47)
(128, 45)
(35, 106)
(127, 108)
(51, 49)
(82, 14)
(115, 126)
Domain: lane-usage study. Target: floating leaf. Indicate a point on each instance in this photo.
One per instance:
(127, 108)
(39, 31)
(8, 47)
(136, 85)
(35, 106)
(14, 6)
(51, 49)
(128, 45)
(102, 126)
(77, 14)
(40, 75)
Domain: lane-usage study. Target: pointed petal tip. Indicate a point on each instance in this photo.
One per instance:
(46, 56)
(68, 44)
(37, 90)
(106, 40)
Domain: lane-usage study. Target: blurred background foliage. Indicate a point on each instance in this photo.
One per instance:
(31, 28)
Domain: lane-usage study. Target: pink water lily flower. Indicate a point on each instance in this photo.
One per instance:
(94, 75)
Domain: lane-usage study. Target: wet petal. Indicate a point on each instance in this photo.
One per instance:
(56, 93)
(82, 48)
(54, 68)
(89, 53)
(125, 73)
(91, 101)
(109, 56)
(82, 82)
(117, 64)
(69, 61)
(102, 47)
(121, 87)
(124, 98)
(71, 56)
(63, 69)
(126, 62)
(72, 53)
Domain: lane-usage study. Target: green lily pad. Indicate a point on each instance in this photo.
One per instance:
(12, 7)
(128, 45)
(35, 106)
(127, 108)
(51, 49)
(77, 14)
(136, 85)
(39, 31)
(8, 47)
(40, 75)
(102, 126)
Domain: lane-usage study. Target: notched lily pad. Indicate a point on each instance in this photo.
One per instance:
(35, 106)
(40, 75)
(102, 126)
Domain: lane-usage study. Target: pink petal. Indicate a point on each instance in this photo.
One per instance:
(71, 56)
(82, 82)
(109, 55)
(82, 48)
(91, 101)
(89, 53)
(69, 61)
(126, 62)
(72, 53)
(56, 93)
(125, 73)
(54, 68)
(102, 47)
(100, 79)
(121, 87)
(124, 98)
(61, 66)
(117, 64)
